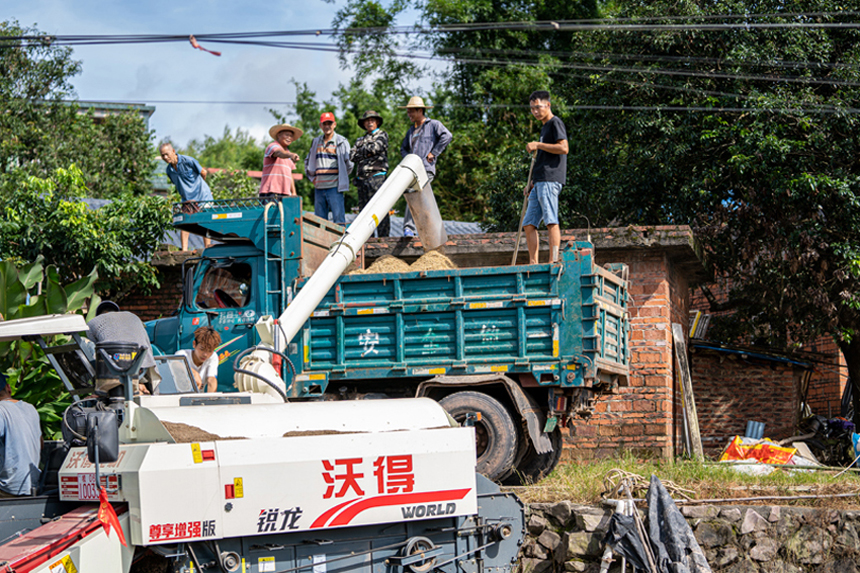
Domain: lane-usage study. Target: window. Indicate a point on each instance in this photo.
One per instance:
(225, 287)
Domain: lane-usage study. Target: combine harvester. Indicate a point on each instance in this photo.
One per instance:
(247, 482)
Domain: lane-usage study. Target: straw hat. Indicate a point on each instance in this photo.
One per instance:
(370, 114)
(415, 102)
(275, 129)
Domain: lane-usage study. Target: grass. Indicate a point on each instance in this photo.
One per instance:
(583, 482)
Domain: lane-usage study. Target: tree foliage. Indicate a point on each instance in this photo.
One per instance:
(29, 290)
(233, 150)
(47, 217)
(43, 129)
(747, 133)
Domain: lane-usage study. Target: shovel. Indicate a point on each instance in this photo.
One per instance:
(523, 213)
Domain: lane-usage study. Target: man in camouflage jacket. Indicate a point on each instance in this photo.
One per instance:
(370, 155)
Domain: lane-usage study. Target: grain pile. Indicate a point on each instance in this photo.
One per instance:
(384, 264)
(432, 261)
(185, 434)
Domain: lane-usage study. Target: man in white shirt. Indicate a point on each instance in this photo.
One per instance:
(203, 359)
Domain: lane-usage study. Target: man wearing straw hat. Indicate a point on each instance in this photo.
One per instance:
(426, 138)
(370, 155)
(279, 162)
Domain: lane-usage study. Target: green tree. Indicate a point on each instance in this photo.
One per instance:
(42, 128)
(231, 151)
(29, 290)
(48, 218)
(748, 133)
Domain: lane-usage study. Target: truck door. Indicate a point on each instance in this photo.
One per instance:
(223, 295)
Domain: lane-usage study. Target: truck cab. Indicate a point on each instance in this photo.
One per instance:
(262, 248)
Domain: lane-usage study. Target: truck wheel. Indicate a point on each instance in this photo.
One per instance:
(534, 466)
(495, 434)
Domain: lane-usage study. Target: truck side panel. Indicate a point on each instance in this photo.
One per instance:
(539, 319)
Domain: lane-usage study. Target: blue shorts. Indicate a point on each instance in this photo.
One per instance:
(543, 204)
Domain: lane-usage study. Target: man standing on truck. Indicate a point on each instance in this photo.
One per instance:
(370, 155)
(328, 165)
(20, 444)
(426, 138)
(548, 176)
(279, 163)
(189, 178)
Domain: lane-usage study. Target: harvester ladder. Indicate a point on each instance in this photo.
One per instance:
(278, 229)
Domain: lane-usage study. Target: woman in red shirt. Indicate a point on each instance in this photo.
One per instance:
(279, 162)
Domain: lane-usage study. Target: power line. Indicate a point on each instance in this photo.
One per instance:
(603, 24)
(695, 109)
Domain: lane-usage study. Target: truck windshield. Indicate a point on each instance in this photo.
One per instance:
(225, 287)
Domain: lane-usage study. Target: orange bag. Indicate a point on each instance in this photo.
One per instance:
(764, 451)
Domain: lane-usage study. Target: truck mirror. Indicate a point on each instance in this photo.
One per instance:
(188, 288)
(102, 437)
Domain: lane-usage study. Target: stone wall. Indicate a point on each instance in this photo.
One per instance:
(564, 537)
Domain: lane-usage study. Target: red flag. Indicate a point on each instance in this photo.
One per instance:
(194, 43)
(108, 517)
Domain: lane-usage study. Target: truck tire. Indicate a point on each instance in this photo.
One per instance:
(534, 466)
(495, 434)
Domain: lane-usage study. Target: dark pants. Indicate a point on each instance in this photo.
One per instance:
(366, 189)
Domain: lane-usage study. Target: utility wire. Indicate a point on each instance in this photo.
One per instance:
(666, 108)
(605, 24)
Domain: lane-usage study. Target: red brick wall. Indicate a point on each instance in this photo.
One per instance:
(641, 416)
(831, 373)
(161, 302)
(731, 390)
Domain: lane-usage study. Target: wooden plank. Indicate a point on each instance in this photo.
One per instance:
(683, 366)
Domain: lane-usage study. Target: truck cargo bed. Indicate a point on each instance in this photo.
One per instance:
(566, 324)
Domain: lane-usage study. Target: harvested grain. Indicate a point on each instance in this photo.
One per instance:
(186, 434)
(432, 261)
(301, 433)
(384, 264)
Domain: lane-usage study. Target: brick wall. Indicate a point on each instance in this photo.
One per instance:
(731, 390)
(641, 417)
(161, 302)
(830, 375)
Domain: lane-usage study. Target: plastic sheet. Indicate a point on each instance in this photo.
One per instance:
(675, 547)
(764, 451)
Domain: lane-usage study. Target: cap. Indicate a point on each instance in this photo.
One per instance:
(327, 116)
(106, 306)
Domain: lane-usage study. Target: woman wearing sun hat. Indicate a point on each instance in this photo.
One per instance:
(279, 162)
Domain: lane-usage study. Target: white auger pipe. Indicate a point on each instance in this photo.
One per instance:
(408, 174)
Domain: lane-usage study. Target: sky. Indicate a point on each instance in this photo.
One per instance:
(147, 73)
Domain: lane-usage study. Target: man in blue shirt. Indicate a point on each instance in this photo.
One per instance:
(189, 178)
(20, 444)
(426, 138)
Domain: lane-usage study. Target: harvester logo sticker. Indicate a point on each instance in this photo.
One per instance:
(269, 519)
(183, 530)
(392, 478)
